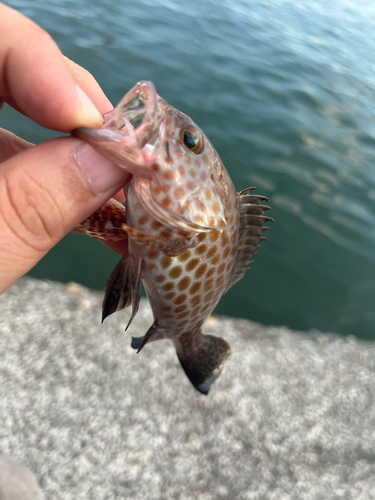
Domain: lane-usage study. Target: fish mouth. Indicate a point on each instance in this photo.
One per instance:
(135, 122)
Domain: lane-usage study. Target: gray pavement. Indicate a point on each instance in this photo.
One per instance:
(291, 417)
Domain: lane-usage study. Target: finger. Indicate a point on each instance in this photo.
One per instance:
(11, 145)
(119, 247)
(45, 191)
(120, 197)
(35, 78)
(90, 86)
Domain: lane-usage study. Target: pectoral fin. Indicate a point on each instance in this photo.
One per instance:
(105, 224)
(172, 244)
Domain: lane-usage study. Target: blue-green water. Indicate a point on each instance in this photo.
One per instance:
(285, 90)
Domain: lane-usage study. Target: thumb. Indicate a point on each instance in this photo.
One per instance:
(45, 191)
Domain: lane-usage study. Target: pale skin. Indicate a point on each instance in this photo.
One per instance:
(46, 190)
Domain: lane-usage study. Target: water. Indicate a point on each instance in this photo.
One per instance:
(285, 91)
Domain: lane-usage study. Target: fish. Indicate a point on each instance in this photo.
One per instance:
(191, 236)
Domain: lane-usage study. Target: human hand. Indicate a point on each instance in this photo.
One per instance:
(46, 190)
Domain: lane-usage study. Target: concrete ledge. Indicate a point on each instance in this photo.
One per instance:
(292, 416)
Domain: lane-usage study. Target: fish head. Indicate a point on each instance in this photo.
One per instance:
(177, 174)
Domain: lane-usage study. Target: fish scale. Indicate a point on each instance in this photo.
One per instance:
(190, 235)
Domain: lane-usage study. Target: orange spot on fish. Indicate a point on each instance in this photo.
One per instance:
(182, 314)
(160, 278)
(214, 235)
(207, 194)
(180, 309)
(168, 287)
(216, 208)
(184, 256)
(215, 259)
(179, 193)
(226, 253)
(221, 268)
(166, 261)
(184, 283)
(169, 174)
(142, 220)
(220, 281)
(180, 299)
(181, 170)
(152, 254)
(195, 287)
(200, 271)
(208, 296)
(224, 240)
(211, 272)
(195, 300)
(169, 296)
(192, 264)
(175, 272)
(155, 167)
(200, 250)
(211, 252)
(191, 186)
(208, 285)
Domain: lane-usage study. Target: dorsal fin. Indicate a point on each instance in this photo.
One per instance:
(250, 234)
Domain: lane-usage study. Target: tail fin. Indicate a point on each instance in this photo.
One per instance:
(204, 364)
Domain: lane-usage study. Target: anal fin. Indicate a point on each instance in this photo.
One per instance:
(122, 288)
(204, 363)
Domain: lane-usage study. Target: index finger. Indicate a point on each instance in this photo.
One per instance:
(35, 78)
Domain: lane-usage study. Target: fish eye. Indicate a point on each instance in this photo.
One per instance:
(192, 139)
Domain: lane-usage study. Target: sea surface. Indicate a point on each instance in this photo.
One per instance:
(285, 90)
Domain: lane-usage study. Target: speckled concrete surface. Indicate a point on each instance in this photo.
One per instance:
(292, 416)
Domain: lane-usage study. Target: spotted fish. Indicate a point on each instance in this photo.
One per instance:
(190, 235)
